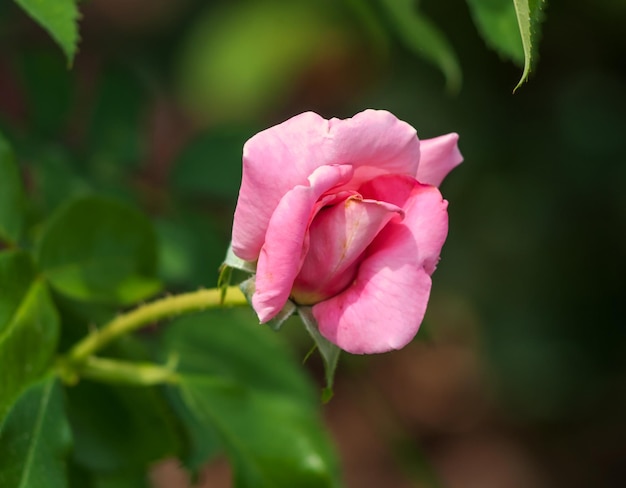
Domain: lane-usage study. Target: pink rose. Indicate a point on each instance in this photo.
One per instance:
(345, 216)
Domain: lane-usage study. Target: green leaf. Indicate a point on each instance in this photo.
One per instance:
(425, 39)
(11, 195)
(59, 18)
(230, 343)
(529, 16)
(29, 327)
(121, 429)
(272, 441)
(241, 384)
(497, 23)
(99, 250)
(329, 351)
(35, 439)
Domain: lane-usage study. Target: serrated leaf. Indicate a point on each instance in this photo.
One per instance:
(11, 195)
(529, 16)
(424, 38)
(29, 327)
(329, 351)
(59, 18)
(99, 250)
(496, 21)
(35, 439)
(272, 441)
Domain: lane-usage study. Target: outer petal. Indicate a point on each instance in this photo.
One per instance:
(385, 306)
(284, 249)
(339, 235)
(440, 155)
(282, 157)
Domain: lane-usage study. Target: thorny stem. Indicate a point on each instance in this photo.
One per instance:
(80, 356)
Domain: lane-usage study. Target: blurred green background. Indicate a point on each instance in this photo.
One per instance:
(520, 377)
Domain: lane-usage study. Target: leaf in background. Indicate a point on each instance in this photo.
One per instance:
(55, 179)
(369, 19)
(29, 327)
(272, 440)
(211, 165)
(59, 18)
(11, 195)
(241, 382)
(329, 351)
(35, 439)
(49, 91)
(80, 477)
(230, 344)
(240, 61)
(191, 249)
(497, 23)
(425, 39)
(122, 480)
(529, 16)
(119, 429)
(115, 132)
(100, 250)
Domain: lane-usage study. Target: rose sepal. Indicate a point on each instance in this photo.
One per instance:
(329, 351)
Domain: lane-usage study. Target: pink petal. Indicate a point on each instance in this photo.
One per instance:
(426, 214)
(338, 237)
(385, 306)
(383, 310)
(440, 155)
(282, 157)
(284, 249)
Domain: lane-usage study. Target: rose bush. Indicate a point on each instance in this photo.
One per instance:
(345, 216)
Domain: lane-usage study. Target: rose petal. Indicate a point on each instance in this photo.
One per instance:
(338, 237)
(385, 306)
(425, 211)
(383, 310)
(284, 249)
(440, 155)
(282, 157)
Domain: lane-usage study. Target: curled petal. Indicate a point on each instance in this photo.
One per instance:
(284, 156)
(425, 213)
(338, 237)
(283, 252)
(384, 307)
(440, 155)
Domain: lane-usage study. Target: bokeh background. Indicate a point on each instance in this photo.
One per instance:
(518, 377)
